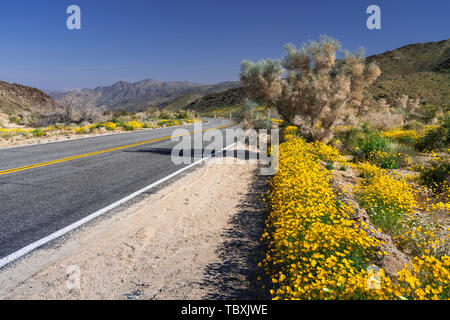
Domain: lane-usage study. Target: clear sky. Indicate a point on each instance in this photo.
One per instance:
(190, 40)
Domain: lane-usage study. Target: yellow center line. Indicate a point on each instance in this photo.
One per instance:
(43, 164)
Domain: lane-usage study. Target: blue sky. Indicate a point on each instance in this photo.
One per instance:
(190, 40)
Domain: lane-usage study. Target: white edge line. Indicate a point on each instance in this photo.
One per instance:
(25, 250)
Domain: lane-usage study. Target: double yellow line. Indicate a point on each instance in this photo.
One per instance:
(48, 163)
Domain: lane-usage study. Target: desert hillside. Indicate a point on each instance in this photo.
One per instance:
(230, 98)
(419, 70)
(17, 99)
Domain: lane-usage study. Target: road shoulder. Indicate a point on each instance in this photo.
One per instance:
(175, 244)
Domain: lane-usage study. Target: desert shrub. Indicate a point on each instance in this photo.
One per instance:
(372, 142)
(407, 105)
(65, 113)
(349, 137)
(247, 114)
(316, 90)
(414, 125)
(167, 115)
(20, 120)
(38, 133)
(329, 165)
(436, 176)
(184, 114)
(132, 125)
(436, 138)
(383, 120)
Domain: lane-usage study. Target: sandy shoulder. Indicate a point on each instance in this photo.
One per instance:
(158, 248)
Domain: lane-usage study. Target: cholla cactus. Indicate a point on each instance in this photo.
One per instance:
(309, 87)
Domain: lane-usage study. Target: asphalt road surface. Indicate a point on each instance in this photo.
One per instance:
(37, 201)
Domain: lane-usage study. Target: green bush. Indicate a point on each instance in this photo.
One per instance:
(349, 138)
(38, 133)
(436, 176)
(437, 138)
(372, 142)
(184, 115)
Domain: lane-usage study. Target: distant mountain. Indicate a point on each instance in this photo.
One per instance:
(138, 95)
(16, 99)
(419, 70)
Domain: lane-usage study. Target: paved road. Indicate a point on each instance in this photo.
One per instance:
(39, 201)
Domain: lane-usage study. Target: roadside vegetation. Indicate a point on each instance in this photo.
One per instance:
(321, 247)
(112, 122)
(359, 207)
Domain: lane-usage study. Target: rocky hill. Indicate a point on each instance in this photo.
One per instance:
(139, 95)
(16, 99)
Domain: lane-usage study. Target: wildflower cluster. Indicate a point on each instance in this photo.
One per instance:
(426, 278)
(291, 130)
(391, 204)
(403, 136)
(132, 125)
(86, 129)
(168, 123)
(15, 130)
(110, 126)
(389, 160)
(316, 248)
(316, 251)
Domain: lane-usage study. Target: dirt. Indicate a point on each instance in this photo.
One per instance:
(196, 238)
